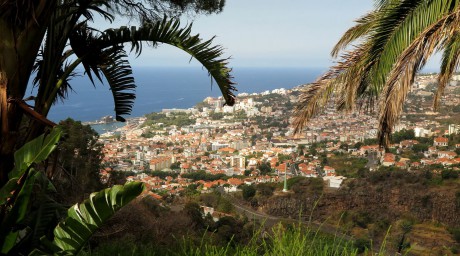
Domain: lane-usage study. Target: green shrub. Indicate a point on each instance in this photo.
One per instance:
(457, 199)
(362, 244)
(265, 189)
(449, 174)
(248, 191)
(362, 219)
(455, 233)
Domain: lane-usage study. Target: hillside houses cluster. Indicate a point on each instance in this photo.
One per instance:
(237, 148)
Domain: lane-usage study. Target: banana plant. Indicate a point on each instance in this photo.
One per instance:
(17, 194)
(29, 214)
(72, 234)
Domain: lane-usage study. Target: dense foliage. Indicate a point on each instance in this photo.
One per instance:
(29, 214)
(178, 119)
(79, 161)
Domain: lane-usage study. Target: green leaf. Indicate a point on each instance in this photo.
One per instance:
(19, 210)
(34, 151)
(85, 218)
(9, 242)
(7, 189)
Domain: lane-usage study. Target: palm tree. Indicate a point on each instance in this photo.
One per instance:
(53, 38)
(380, 57)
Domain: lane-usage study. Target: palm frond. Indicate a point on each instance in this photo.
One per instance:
(362, 28)
(169, 32)
(399, 24)
(119, 75)
(398, 37)
(83, 41)
(64, 80)
(403, 74)
(314, 97)
(344, 79)
(85, 8)
(449, 64)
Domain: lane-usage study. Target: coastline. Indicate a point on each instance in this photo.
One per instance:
(161, 88)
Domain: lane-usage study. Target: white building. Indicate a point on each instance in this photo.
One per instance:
(238, 161)
(334, 181)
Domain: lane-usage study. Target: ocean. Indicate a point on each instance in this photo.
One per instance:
(160, 88)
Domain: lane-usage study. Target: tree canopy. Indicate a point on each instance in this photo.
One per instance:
(79, 162)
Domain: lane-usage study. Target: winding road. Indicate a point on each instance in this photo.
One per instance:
(270, 220)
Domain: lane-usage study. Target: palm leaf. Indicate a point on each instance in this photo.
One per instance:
(449, 64)
(83, 43)
(169, 32)
(121, 81)
(38, 216)
(381, 64)
(362, 28)
(409, 63)
(85, 218)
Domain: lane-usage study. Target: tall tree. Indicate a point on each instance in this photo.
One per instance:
(79, 162)
(380, 57)
(52, 38)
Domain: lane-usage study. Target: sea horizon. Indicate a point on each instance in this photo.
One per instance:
(167, 87)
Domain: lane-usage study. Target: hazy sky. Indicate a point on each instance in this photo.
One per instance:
(269, 33)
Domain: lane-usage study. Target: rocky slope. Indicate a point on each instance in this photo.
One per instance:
(390, 199)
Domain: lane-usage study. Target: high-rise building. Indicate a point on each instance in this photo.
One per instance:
(238, 161)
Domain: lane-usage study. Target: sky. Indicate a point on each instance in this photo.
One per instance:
(269, 33)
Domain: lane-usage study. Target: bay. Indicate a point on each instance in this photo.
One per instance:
(183, 87)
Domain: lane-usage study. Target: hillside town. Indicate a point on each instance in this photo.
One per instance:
(252, 142)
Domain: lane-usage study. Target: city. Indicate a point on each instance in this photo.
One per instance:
(254, 133)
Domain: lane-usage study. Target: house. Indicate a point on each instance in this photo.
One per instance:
(447, 154)
(388, 159)
(440, 142)
(263, 179)
(401, 165)
(415, 165)
(281, 168)
(233, 185)
(308, 170)
(407, 143)
(160, 163)
(425, 161)
(368, 149)
(226, 150)
(214, 214)
(334, 181)
(208, 186)
(328, 171)
(445, 161)
(302, 167)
